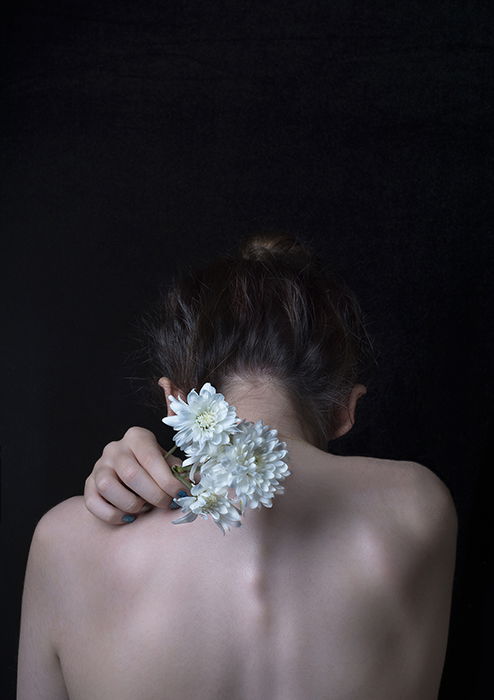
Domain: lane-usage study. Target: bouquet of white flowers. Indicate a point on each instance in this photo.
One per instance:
(230, 453)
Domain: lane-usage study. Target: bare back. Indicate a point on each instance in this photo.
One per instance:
(319, 598)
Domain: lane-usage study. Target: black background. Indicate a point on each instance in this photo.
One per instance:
(140, 137)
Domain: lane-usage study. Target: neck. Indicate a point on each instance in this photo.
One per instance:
(303, 458)
(264, 401)
(303, 500)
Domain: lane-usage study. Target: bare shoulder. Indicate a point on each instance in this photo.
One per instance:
(72, 539)
(427, 513)
(427, 503)
(421, 502)
(78, 542)
(68, 521)
(409, 530)
(406, 518)
(75, 544)
(76, 534)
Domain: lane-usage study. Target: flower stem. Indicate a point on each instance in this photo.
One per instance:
(186, 482)
(170, 452)
(179, 472)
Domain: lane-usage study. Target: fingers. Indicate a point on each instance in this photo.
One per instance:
(149, 474)
(130, 472)
(131, 477)
(113, 491)
(97, 505)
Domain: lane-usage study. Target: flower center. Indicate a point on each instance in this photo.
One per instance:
(210, 502)
(205, 419)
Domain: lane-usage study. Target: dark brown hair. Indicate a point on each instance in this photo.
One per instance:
(270, 309)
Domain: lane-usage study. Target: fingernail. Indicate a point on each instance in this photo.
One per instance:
(128, 518)
(180, 494)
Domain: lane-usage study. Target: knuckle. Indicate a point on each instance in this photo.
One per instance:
(97, 466)
(128, 472)
(110, 447)
(135, 432)
(104, 483)
(90, 502)
(131, 431)
(147, 458)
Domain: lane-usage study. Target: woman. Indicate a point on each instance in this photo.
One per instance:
(341, 590)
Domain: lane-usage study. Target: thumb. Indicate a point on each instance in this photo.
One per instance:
(174, 461)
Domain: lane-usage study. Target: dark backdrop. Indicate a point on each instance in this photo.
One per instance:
(139, 138)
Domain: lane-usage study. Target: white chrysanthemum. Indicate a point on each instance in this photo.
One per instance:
(196, 459)
(231, 453)
(217, 471)
(254, 463)
(206, 420)
(208, 501)
(214, 465)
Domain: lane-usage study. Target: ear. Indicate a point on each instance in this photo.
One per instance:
(347, 415)
(169, 388)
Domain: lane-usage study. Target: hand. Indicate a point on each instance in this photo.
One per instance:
(131, 477)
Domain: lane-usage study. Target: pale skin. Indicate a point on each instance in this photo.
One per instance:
(341, 590)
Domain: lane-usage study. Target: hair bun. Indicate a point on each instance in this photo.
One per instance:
(272, 247)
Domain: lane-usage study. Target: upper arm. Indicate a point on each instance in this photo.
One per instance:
(432, 537)
(39, 673)
(431, 510)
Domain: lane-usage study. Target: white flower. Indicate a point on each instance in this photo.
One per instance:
(217, 470)
(209, 501)
(206, 460)
(206, 420)
(255, 462)
(197, 458)
(231, 453)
